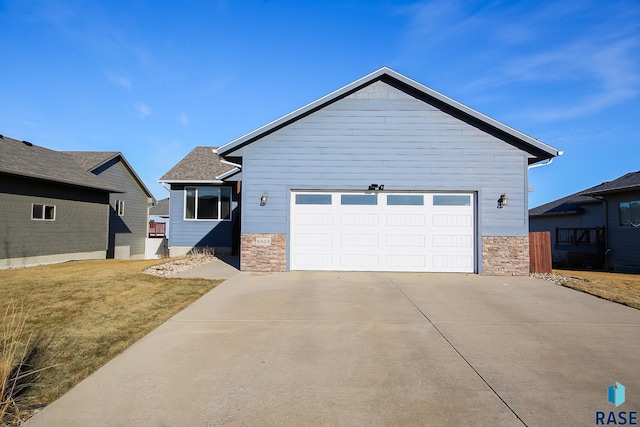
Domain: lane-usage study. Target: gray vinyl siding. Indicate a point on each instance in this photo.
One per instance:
(80, 224)
(132, 228)
(380, 135)
(198, 233)
(624, 242)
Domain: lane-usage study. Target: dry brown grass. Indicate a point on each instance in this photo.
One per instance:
(617, 287)
(92, 311)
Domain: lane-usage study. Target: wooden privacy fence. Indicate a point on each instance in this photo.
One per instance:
(540, 252)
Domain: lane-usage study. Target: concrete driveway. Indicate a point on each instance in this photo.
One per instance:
(370, 349)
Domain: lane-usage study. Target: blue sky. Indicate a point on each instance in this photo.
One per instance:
(155, 78)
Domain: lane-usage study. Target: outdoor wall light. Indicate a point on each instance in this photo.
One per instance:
(263, 199)
(374, 187)
(503, 201)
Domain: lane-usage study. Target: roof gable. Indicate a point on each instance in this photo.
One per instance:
(92, 160)
(25, 159)
(202, 164)
(538, 151)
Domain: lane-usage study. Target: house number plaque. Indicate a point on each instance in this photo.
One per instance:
(263, 241)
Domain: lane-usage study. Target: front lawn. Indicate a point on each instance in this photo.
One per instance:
(90, 311)
(617, 287)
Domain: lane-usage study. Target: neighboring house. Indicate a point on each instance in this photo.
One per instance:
(384, 174)
(159, 219)
(129, 215)
(577, 227)
(604, 219)
(204, 203)
(51, 209)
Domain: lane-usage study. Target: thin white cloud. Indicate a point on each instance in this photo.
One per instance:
(118, 79)
(184, 119)
(587, 58)
(143, 109)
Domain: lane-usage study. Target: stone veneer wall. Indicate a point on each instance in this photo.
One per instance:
(255, 255)
(505, 256)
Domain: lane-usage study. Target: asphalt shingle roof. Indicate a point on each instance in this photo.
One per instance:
(161, 208)
(566, 205)
(201, 164)
(29, 160)
(89, 160)
(630, 181)
(571, 203)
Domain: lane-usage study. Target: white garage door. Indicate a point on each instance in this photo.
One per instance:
(376, 231)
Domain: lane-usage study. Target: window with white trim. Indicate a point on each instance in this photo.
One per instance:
(120, 207)
(207, 203)
(42, 212)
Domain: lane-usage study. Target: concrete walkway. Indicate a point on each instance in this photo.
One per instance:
(369, 349)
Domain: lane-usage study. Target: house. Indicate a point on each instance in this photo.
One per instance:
(128, 216)
(577, 227)
(159, 218)
(51, 209)
(596, 227)
(383, 174)
(204, 203)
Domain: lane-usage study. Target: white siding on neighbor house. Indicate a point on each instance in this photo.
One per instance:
(380, 135)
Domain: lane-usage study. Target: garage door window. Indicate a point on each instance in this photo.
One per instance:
(405, 200)
(359, 199)
(313, 199)
(450, 200)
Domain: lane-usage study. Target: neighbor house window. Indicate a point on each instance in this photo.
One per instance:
(629, 214)
(43, 212)
(212, 203)
(120, 207)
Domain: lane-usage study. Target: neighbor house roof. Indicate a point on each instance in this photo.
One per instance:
(630, 181)
(161, 208)
(565, 206)
(202, 164)
(22, 158)
(571, 204)
(92, 160)
(539, 150)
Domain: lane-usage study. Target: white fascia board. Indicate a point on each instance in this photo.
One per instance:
(190, 181)
(227, 162)
(228, 174)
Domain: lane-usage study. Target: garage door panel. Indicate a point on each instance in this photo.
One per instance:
(359, 220)
(444, 241)
(359, 261)
(314, 219)
(453, 262)
(314, 239)
(406, 240)
(406, 220)
(359, 240)
(452, 220)
(314, 261)
(406, 262)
